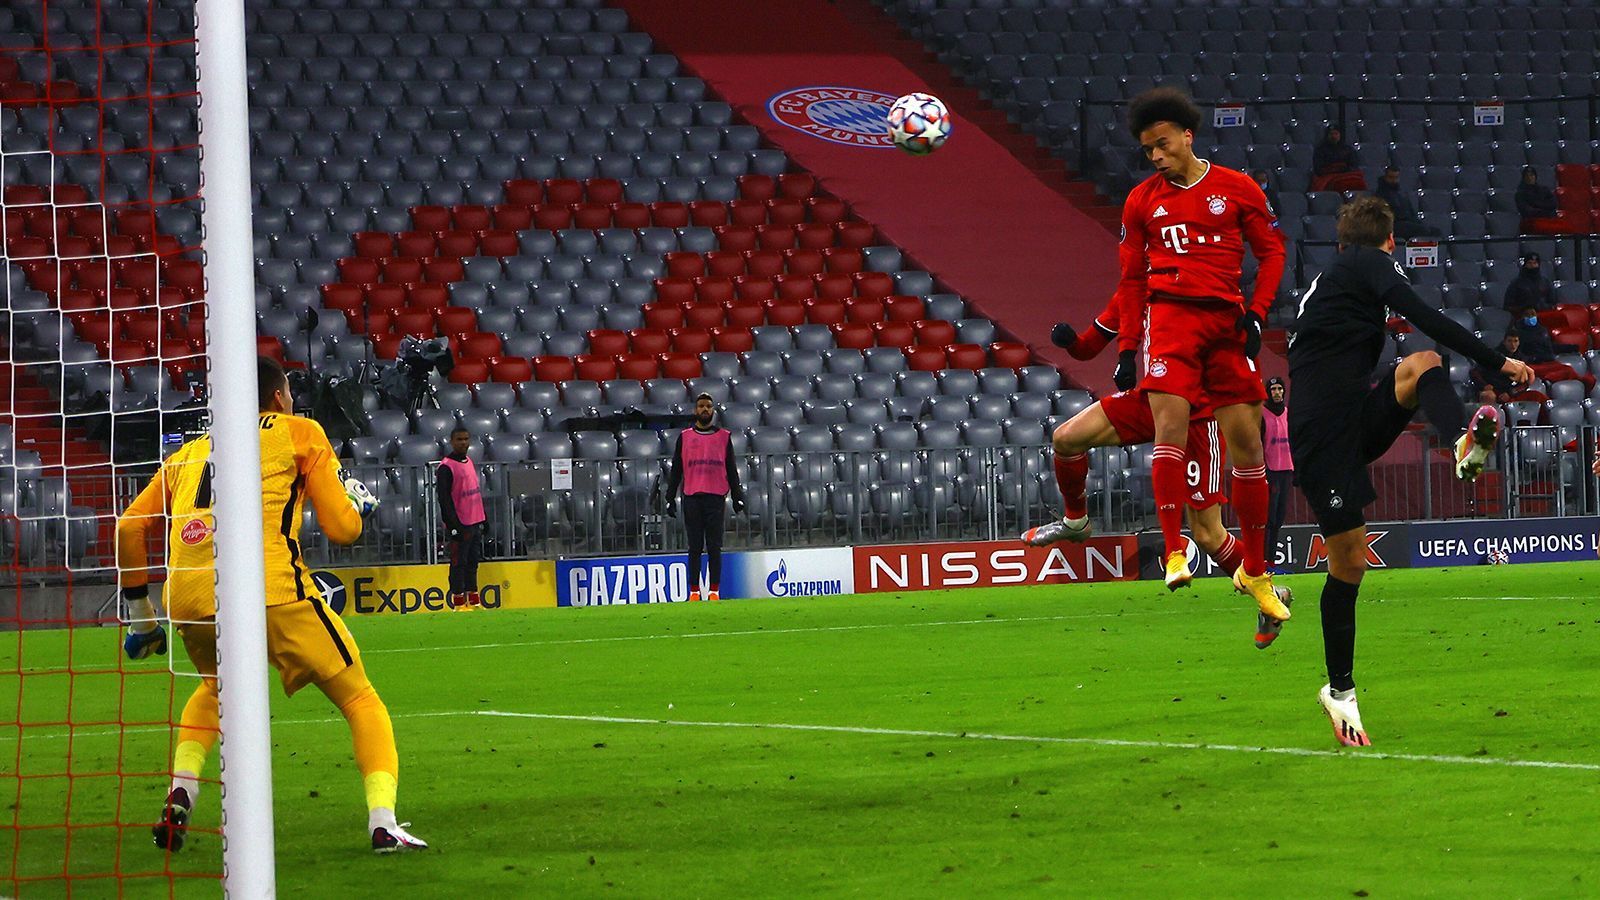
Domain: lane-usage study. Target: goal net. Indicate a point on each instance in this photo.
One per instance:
(105, 371)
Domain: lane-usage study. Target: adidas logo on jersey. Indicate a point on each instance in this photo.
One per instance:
(1160, 211)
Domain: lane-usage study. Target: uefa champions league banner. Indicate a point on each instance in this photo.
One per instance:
(617, 580)
(1470, 542)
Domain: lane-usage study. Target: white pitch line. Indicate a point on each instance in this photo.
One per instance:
(1035, 739)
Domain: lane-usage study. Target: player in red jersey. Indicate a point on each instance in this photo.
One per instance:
(1123, 419)
(1184, 233)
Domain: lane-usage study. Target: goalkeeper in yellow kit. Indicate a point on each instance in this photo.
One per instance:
(306, 642)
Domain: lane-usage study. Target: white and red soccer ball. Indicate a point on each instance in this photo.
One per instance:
(919, 123)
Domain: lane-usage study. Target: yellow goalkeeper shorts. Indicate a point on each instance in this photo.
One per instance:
(306, 642)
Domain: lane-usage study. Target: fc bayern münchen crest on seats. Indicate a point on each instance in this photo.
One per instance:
(855, 117)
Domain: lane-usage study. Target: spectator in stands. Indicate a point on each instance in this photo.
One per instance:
(1262, 179)
(1407, 224)
(1334, 166)
(1537, 205)
(1488, 394)
(461, 507)
(1530, 288)
(1529, 341)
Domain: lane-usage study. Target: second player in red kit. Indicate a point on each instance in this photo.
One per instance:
(1184, 233)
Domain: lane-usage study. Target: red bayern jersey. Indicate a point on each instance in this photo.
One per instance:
(1188, 242)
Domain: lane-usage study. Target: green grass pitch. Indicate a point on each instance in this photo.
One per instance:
(1094, 741)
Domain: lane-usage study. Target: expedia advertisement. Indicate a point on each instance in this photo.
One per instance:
(1301, 548)
(518, 584)
(1475, 541)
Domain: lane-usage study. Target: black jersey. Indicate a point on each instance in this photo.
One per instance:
(1340, 328)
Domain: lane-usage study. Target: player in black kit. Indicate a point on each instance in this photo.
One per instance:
(1339, 421)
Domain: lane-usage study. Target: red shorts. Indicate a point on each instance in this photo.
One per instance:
(1129, 414)
(1194, 349)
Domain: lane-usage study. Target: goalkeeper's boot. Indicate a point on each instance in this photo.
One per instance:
(1267, 627)
(1064, 529)
(1346, 718)
(1266, 596)
(396, 840)
(1474, 446)
(1178, 574)
(145, 644)
(174, 822)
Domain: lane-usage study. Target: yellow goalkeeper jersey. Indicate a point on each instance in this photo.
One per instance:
(296, 462)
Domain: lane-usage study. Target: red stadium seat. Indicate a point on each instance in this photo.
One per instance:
(836, 287)
(418, 322)
(510, 370)
(795, 287)
(649, 341)
(596, 367)
(1594, 313)
(386, 344)
(591, 215)
(399, 270)
(724, 262)
(775, 237)
(638, 368)
(443, 271)
(675, 290)
(758, 187)
(925, 359)
(685, 265)
(608, 342)
(865, 309)
(797, 185)
(764, 263)
(1010, 354)
(1571, 315)
(499, 242)
(714, 289)
(352, 269)
(630, 215)
(751, 287)
(902, 308)
(737, 237)
(524, 191)
(669, 215)
(469, 371)
(552, 217)
(785, 312)
(747, 212)
(965, 356)
(662, 315)
(934, 331)
(785, 211)
(513, 218)
(553, 368)
(373, 244)
(563, 191)
(824, 312)
(732, 340)
(1577, 337)
(803, 262)
(894, 334)
(416, 243)
(855, 234)
(702, 315)
(386, 296)
(874, 284)
(709, 213)
(692, 340)
(826, 209)
(853, 335)
(458, 320)
(430, 295)
(269, 346)
(745, 314)
(680, 365)
(848, 260)
(812, 236)
(603, 190)
(470, 217)
(458, 243)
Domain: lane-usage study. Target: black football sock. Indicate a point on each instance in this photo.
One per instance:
(1440, 404)
(1339, 632)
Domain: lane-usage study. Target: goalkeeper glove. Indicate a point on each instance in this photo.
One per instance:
(738, 504)
(1250, 324)
(359, 495)
(1125, 376)
(1063, 335)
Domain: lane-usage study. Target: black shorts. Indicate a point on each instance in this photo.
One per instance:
(1334, 442)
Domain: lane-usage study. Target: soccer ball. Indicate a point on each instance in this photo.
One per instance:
(359, 495)
(1496, 557)
(919, 123)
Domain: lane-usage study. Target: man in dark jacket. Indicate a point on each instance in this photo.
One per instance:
(1537, 205)
(461, 508)
(1334, 166)
(1529, 289)
(1406, 223)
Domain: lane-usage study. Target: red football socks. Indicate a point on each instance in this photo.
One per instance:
(1072, 474)
(1229, 555)
(1166, 475)
(1250, 504)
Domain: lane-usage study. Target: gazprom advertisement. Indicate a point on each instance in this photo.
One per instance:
(616, 580)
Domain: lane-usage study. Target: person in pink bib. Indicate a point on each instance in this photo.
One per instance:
(461, 507)
(702, 463)
(1280, 466)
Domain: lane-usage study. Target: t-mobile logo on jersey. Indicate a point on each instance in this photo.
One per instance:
(1177, 239)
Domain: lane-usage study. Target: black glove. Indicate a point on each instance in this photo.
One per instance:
(738, 504)
(1250, 324)
(1125, 376)
(1063, 335)
(672, 508)
(452, 532)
